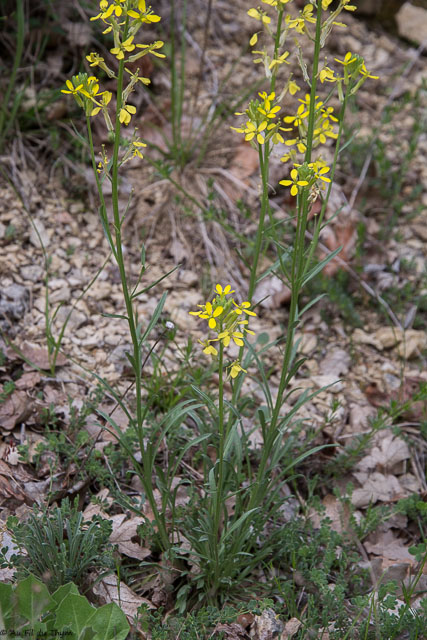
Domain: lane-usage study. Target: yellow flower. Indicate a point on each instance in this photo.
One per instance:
(94, 59)
(223, 291)
(251, 130)
(364, 72)
(208, 348)
(135, 77)
(144, 15)
(240, 322)
(253, 40)
(243, 307)
(325, 4)
(293, 87)
(125, 113)
(119, 51)
(327, 74)
(108, 10)
(259, 15)
(276, 3)
(71, 88)
(208, 312)
(348, 7)
(266, 109)
(320, 169)
(306, 15)
(235, 369)
(294, 182)
(298, 118)
(226, 336)
(280, 60)
(348, 59)
(149, 48)
(137, 144)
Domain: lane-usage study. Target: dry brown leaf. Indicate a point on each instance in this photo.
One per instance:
(245, 161)
(232, 631)
(342, 234)
(291, 628)
(376, 486)
(415, 411)
(39, 357)
(338, 513)
(95, 509)
(9, 488)
(390, 451)
(390, 548)
(11, 454)
(15, 409)
(108, 590)
(122, 534)
(28, 380)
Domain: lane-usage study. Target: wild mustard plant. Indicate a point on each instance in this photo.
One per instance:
(124, 19)
(312, 125)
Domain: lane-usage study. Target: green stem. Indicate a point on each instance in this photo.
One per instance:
(297, 270)
(276, 48)
(311, 117)
(218, 502)
(319, 221)
(264, 155)
(221, 431)
(131, 319)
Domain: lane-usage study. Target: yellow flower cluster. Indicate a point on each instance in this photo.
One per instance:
(323, 124)
(311, 175)
(124, 18)
(227, 320)
(262, 124)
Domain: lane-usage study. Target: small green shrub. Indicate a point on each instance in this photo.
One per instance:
(59, 546)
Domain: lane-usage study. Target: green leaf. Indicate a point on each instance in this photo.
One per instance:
(318, 267)
(73, 612)
(114, 315)
(5, 605)
(86, 634)
(109, 622)
(63, 591)
(153, 284)
(32, 598)
(154, 319)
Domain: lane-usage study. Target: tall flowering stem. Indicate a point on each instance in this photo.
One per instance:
(312, 125)
(264, 151)
(124, 19)
(228, 322)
